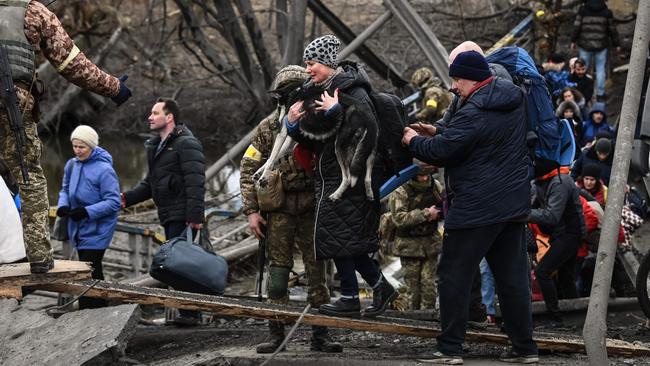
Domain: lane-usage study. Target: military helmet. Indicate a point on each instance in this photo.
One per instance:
(289, 74)
(421, 76)
(424, 168)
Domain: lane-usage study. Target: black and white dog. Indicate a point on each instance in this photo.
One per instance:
(356, 134)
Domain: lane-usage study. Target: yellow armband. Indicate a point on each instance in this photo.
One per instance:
(253, 153)
(73, 53)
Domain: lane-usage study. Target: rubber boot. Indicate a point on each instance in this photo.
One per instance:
(321, 341)
(276, 336)
(41, 267)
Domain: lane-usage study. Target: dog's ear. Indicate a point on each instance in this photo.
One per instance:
(282, 91)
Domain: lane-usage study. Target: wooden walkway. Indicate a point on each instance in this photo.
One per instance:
(251, 309)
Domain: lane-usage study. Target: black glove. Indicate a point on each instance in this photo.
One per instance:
(124, 93)
(78, 214)
(63, 211)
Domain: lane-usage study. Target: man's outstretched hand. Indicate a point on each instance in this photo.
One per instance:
(423, 129)
(409, 133)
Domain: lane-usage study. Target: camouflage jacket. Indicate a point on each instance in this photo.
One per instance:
(298, 185)
(435, 101)
(45, 32)
(545, 22)
(416, 236)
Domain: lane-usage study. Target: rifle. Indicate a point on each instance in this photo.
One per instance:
(261, 262)
(10, 100)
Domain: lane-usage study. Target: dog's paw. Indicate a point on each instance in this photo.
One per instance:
(334, 197)
(369, 194)
(262, 182)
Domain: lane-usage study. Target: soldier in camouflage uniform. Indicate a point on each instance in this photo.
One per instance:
(545, 25)
(289, 226)
(414, 211)
(435, 98)
(28, 27)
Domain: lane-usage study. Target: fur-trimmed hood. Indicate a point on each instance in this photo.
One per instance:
(567, 104)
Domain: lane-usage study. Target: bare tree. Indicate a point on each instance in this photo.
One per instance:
(295, 33)
(222, 17)
(257, 39)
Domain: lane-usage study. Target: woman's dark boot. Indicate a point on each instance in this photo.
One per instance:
(276, 337)
(383, 295)
(348, 307)
(321, 341)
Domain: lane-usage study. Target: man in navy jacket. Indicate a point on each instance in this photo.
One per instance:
(483, 151)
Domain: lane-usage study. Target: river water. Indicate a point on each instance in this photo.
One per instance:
(129, 161)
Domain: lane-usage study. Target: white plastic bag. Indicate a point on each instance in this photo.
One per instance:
(12, 246)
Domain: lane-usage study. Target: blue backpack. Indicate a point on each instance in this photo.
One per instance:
(546, 136)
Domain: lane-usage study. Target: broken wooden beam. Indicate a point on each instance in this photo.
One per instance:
(257, 310)
(18, 274)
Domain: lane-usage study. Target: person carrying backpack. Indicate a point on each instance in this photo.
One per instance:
(556, 76)
(557, 210)
(483, 151)
(346, 229)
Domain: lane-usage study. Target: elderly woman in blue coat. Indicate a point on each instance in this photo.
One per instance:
(90, 198)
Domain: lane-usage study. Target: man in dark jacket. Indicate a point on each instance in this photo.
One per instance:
(483, 151)
(176, 178)
(584, 82)
(594, 32)
(558, 212)
(345, 229)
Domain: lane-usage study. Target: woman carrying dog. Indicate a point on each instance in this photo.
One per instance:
(346, 225)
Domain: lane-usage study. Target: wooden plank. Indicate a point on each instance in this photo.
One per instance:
(19, 275)
(252, 309)
(14, 292)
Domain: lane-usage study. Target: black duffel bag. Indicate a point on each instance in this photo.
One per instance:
(186, 266)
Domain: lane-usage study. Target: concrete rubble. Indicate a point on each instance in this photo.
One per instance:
(87, 337)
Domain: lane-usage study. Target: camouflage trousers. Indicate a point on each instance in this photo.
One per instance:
(285, 234)
(420, 278)
(34, 195)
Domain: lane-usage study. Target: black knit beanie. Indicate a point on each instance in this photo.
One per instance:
(470, 65)
(603, 146)
(544, 166)
(591, 170)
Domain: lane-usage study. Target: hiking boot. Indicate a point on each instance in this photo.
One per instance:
(321, 341)
(276, 337)
(514, 357)
(442, 359)
(381, 297)
(41, 267)
(342, 307)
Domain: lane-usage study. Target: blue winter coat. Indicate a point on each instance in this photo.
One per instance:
(92, 184)
(483, 150)
(591, 129)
